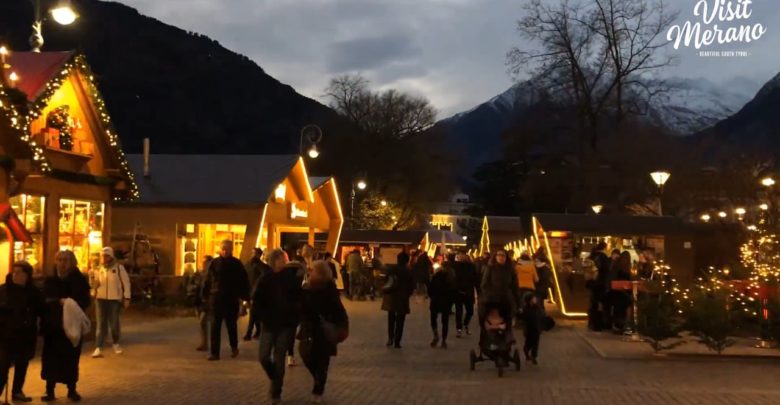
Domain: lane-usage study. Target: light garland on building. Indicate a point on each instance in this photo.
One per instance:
(21, 123)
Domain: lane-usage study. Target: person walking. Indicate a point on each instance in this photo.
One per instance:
(466, 282)
(422, 270)
(395, 299)
(532, 327)
(354, 269)
(441, 291)
(255, 269)
(225, 287)
(321, 309)
(277, 301)
(600, 265)
(201, 309)
(499, 282)
(21, 306)
(526, 275)
(544, 283)
(60, 358)
(112, 292)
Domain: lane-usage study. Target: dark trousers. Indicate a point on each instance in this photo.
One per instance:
(395, 327)
(531, 346)
(463, 301)
(230, 316)
(594, 312)
(20, 372)
(50, 385)
(274, 344)
(318, 367)
(445, 323)
(253, 325)
(345, 280)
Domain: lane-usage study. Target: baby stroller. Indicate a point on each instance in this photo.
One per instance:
(496, 340)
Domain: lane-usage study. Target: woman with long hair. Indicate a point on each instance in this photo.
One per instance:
(499, 282)
(322, 308)
(60, 360)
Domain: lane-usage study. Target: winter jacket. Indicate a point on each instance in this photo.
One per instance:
(277, 299)
(226, 283)
(20, 309)
(499, 284)
(422, 269)
(466, 281)
(526, 275)
(441, 290)
(111, 283)
(318, 303)
(354, 263)
(397, 300)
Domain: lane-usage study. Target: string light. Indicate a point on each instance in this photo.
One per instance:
(21, 123)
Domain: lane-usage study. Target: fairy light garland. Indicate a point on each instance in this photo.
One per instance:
(21, 123)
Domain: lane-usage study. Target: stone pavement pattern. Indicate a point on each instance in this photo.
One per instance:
(160, 366)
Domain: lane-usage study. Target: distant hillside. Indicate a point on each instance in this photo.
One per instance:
(183, 90)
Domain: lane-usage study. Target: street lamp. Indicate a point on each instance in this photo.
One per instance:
(706, 217)
(597, 208)
(62, 13)
(361, 185)
(660, 178)
(740, 212)
(768, 182)
(313, 135)
(722, 214)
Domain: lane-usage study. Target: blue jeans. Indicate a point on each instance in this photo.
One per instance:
(107, 314)
(274, 344)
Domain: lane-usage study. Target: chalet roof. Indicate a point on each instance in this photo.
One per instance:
(35, 70)
(611, 224)
(381, 237)
(210, 179)
(317, 182)
(450, 238)
(504, 224)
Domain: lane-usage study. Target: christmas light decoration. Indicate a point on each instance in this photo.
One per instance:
(20, 123)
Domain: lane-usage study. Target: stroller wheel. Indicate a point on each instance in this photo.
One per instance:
(472, 359)
(516, 360)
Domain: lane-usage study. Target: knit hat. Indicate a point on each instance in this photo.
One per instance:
(108, 251)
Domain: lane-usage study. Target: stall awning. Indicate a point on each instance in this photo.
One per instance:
(14, 225)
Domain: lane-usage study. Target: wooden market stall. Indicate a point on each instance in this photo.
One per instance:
(190, 203)
(569, 238)
(68, 162)
(498, 231)
(385, 243)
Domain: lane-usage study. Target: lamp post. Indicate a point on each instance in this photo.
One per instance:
(62, 13)
(660, 178)
(361, 185)
(313, 135)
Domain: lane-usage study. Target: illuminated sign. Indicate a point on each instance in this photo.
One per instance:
(280, 192)
(296, 212)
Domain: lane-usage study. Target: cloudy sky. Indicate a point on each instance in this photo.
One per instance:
(451, 51)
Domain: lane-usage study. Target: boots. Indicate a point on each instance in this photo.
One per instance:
(435, 340)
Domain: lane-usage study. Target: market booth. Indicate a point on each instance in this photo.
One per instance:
(67, 161)
(569, 238)
(385, 243)
(190, 203)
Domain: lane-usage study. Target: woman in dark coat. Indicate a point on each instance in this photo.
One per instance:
(395, 300)
(442, 292)
(320, 302)
(21, 305)
(60, 360)
(421, 270)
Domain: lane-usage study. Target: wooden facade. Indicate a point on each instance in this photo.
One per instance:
(66, 172)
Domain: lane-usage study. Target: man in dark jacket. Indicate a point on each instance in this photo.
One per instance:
(395, 300)
(21, 305)
(441, 291)
(255, 269)
(466, 285)
(277, 302)
(226, 285)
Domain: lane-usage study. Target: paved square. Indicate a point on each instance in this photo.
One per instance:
(160, 366)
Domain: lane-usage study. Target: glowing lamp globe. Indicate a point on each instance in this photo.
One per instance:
(313, 152)
(660, 178)
(597, 208)
(768, 182)
(362, 185)
(740, 211)
(63, 13)
(706, 217)
(722, 214)
(764, 207)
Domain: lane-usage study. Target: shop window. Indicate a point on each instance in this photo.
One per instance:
(81, 230)
(31, 211)
(200, 240)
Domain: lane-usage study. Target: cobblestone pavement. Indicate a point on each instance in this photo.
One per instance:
(160, 366)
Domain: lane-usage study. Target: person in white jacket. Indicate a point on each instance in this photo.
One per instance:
(111, 286)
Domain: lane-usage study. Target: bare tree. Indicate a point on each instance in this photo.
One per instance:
(385, 114)
(590, 54)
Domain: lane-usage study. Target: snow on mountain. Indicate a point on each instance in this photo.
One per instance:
(691, 105)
